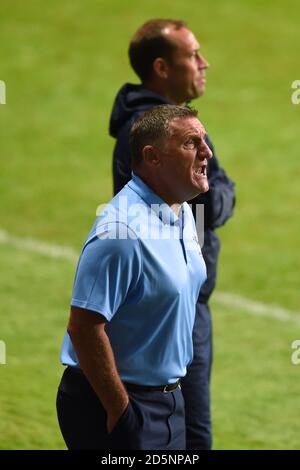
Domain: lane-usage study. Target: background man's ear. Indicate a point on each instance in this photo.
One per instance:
(151, 155)
(160, 67)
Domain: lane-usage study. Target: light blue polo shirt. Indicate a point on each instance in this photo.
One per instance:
(142, 269)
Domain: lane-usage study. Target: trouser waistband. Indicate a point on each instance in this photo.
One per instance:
(137, 387)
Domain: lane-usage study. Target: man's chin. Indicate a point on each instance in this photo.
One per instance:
(199, 89)
(199, 189)
(204, 188)
(205, 185)
(201, 184)
(198, 92)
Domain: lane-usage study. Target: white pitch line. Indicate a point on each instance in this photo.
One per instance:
(227, 299)
(255, 308)
(38, 246)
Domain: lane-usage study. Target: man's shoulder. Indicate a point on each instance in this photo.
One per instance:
(131, 102)
(117, 215)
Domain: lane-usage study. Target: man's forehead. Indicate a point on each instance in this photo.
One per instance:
(182, 37)
(187, 125)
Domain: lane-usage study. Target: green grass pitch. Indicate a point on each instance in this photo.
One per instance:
(62, 63)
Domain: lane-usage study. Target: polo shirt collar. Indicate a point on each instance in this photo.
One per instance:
(157, 204)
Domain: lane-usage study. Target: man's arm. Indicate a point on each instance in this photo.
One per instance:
(96, 358)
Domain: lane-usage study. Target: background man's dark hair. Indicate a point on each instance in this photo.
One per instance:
(150, 42)
(153, 127)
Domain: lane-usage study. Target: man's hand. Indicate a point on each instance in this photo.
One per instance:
(114, 416)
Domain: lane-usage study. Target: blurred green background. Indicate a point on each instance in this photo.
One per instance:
(63, 62)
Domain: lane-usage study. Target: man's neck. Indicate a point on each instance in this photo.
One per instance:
(159, 90)
(158, 189)
(176, 207)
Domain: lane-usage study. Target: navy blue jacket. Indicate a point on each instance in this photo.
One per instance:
(131, 102)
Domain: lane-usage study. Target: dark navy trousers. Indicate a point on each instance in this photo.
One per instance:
(196, 384)
(153, 420)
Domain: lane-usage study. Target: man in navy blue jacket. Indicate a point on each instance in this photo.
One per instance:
(166, 57)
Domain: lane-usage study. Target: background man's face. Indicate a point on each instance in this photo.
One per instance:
(184, 159)
(187, 67)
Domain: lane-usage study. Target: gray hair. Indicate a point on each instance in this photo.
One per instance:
(154, 126)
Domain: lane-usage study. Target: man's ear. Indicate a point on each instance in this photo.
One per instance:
(151, 156)
(160, 67)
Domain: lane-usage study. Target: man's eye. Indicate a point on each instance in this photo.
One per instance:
(190, 143)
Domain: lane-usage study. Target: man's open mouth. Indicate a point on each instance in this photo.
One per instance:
(201, 171)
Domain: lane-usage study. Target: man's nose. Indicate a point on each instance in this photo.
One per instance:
(204, 151)
(202, 62)
(209, 152)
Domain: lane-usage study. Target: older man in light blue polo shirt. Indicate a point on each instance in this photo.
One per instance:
(129, 337)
